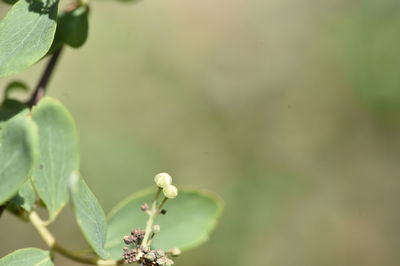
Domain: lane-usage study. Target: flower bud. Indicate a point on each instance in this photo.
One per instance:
(169, 262)
(156, 229)
(170, 191)
(162, 261)
(128, 239)
(163, 180)
(159, 253)
(175, 252)
(151, 256)
(144, 207)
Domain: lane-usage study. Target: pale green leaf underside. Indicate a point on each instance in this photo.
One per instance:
(189, 220)
(18, 154)
(27, 257)
(59, 156)
(89, 214)
(26, 34)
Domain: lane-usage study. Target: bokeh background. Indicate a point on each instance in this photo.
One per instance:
(289, 109)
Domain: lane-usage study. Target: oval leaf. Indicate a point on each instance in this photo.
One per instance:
(27, 257)
(89, 214)
(18, 154)
(73, 27)
(189, 220)
(59, 156)
(26, 34)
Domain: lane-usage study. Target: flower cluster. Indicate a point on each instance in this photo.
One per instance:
(136, 237)
(140, 239)
(146, 257)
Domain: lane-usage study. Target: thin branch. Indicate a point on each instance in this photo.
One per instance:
(152, 215)
(40, 89)
(48, 237)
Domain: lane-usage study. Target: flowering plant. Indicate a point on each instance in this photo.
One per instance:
(39, 160)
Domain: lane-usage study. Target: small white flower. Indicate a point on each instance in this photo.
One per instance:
(170, 191)
(163, 180)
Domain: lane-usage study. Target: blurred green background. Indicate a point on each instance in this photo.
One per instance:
(289, 109)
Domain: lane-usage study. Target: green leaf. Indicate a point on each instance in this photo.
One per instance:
(18, 154)
(10, 108)
(26, 34)
(27, 257)
(89, 214)
(189, 220)
(56, 45)
(73, 27)
(26, 197)
(59, 155)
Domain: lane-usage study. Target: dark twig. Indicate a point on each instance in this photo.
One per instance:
(40, 90)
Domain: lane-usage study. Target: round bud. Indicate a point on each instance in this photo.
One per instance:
(156, 229)
(170, 191)
(169, 262)
(162, 261)
(128, 239)
(160, 253)
(175, 252)
(144, 207)
(151, 256)
(162, 180)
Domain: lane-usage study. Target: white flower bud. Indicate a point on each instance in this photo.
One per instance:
(174, 252)
(156, 229)
(163, 180)
(170, 191)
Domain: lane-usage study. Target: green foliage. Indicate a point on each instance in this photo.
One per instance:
(27, 256)
(18, 154)
(73, 27)
(10, 108)
(188, 223)
(39, 158)
(59, 156)
(89, 214)
(26, 196)
(26, 34)
(51, 132)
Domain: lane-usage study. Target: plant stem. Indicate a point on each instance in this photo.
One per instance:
(162, 203)
(42, 229)
(40, 89)
(49, 239)
(152, 215)
(71, 255)
(148, 230)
